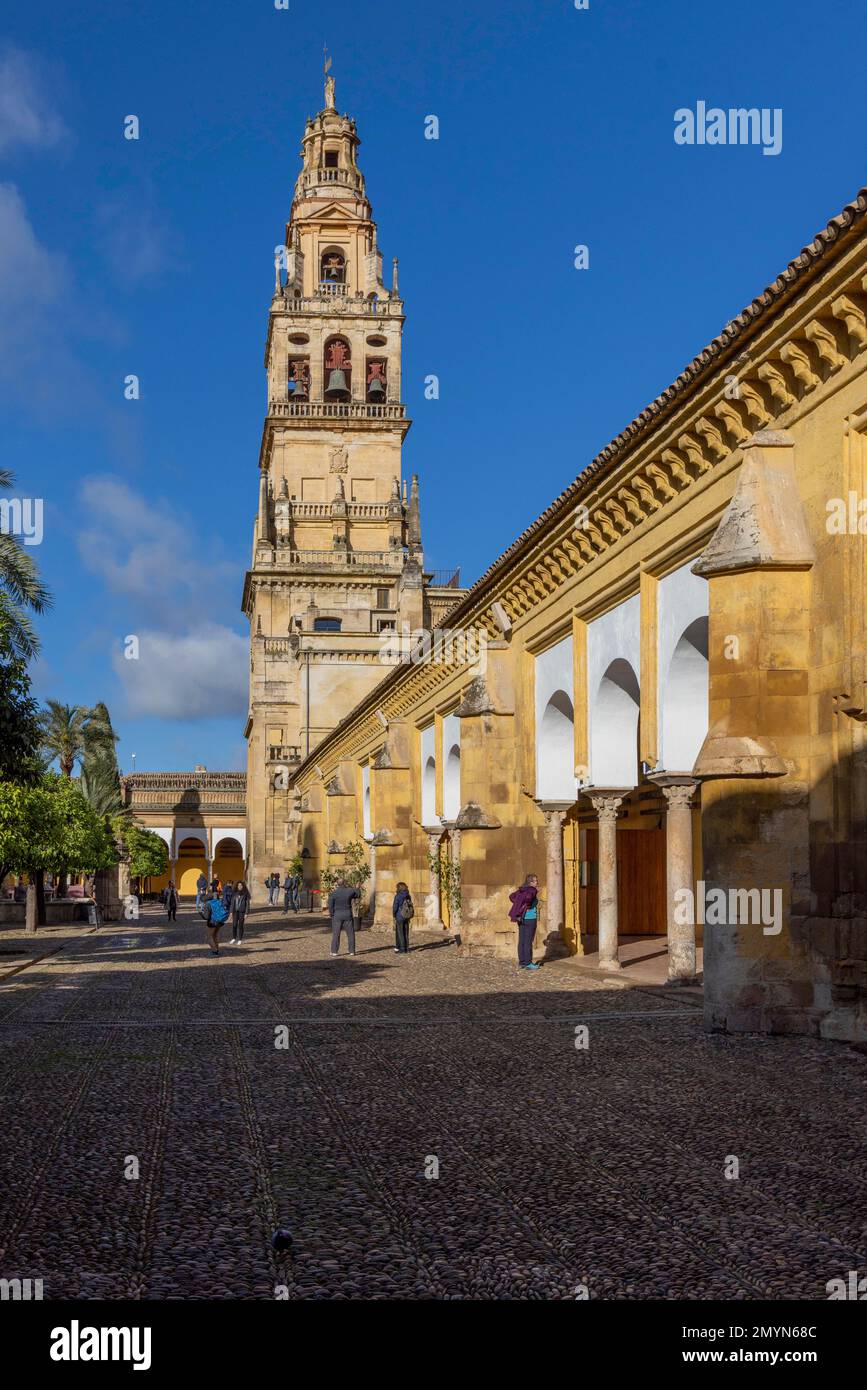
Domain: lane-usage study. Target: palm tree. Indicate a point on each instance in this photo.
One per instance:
(63, 733)
(99, 735)
(21, 590)
(100, 783)
(75, 733)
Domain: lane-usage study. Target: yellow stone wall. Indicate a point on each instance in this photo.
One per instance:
(731, 469)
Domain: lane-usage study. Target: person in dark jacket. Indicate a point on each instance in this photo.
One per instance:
(525, 911)
(239, 904)
(170, 898)
(287, 890)
(227, 894)
(340, 901)
(401, 917)
(201, 890)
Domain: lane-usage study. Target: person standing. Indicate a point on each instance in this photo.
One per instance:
(287, 891)
(227, 897)
(402, 911)
(274, 888)
(201, 890)
(525, 911)
(170, 898)
(296, 892)
(340, 901)
(215, 916)
(240, 903)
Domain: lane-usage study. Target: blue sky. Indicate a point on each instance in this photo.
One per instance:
(155, 257)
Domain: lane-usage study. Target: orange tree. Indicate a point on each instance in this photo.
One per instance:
(49, 827)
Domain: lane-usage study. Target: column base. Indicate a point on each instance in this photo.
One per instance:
(609, 965)
(681, 981)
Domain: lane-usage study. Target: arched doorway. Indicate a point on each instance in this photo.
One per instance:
(228, 863)
(190, 863)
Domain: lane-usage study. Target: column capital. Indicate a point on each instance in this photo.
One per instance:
(677, 790)
(555, 813)
(606, 802)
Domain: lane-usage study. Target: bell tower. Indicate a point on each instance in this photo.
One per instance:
(337, 555)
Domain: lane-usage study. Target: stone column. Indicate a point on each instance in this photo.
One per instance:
(455, 908)
(606, 804)
(678, 793)
(431, 917)
(371, 885)
(555, 814)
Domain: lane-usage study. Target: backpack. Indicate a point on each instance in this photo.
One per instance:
(218, 912)
(406, 910)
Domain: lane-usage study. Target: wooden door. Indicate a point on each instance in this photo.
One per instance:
(641, 890)
(572, 921)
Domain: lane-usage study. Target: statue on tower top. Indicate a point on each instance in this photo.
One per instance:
(329, 84)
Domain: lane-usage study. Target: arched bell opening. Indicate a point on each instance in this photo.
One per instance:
(332, 269)
(376, 380)
(338, 370)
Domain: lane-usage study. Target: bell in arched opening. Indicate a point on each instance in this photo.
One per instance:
(338, 370)
(376, 382)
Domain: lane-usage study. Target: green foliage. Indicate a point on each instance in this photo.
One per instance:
(355, 870)
(77, 734)
(147, 852)
(21, 593)
(50, 826)
(448, 876)
(20, 727)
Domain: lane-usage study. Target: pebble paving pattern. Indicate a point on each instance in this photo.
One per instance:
(560, 1169)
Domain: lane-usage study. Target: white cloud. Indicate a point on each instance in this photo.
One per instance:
(27, 120)
(199, 675)
(134, 236)
(28, 272)
(40, 315)
(148, 552)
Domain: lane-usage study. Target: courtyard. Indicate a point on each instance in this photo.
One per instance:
(425, 1126)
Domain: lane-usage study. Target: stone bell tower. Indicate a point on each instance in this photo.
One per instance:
(337, 556)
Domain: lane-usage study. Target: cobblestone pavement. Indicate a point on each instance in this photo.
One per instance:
(559, 1166)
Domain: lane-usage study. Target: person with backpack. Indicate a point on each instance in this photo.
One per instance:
(201, 890)
(215, 916)
(525, 911)
(239, 905)
(340, 901)
(403, 912)
(170, 898)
